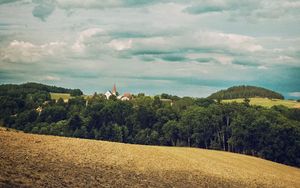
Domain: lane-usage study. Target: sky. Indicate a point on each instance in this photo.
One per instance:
(185, 48)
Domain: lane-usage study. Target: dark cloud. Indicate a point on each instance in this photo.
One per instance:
(8, 1)
(200, 9)
(250, 10)
(174, 58)
(205, 60)
(43, 10)
(246, 62)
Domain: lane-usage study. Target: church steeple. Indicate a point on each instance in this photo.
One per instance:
(114, 90)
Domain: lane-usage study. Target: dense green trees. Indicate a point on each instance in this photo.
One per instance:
(171, 132)
(245, 92)
(17, 98)
(272, 133)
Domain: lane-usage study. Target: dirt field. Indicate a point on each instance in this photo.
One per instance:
(28, 160)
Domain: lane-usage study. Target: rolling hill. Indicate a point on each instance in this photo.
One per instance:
(245, 92)
(32, 88)
(48, 161)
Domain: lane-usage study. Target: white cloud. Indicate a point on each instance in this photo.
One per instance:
(214, 47)
(294, 94)
(284, 57)
(291, 4)
(21, 51)
(262, 67)
(234, 41)
(200, 40)
(225, 60)
(120, 45)
(67, 4)
(52, 78)
(79, 45)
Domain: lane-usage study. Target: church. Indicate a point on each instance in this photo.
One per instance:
(113, 92)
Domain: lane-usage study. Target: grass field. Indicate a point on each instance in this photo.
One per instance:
(268, 102)
(64, 96)
(49, 161)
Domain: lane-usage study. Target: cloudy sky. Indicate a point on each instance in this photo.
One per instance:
(182, 47)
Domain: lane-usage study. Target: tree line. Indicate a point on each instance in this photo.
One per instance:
(272, 134)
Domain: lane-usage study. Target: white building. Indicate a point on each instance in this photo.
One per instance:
(110, 93)
(125, 97)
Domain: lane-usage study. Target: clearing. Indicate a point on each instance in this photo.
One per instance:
(64, 96)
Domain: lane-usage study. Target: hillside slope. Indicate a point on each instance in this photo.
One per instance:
(49, 161)
(245, 92)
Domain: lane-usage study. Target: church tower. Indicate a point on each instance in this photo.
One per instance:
(114, 90)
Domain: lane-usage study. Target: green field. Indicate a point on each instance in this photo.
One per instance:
(64, 96)
(267, 102)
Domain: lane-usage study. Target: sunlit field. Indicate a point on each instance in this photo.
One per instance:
(50, 161)
(268, 102)
(64, 96)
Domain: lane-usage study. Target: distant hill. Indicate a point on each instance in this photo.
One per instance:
(48, 161)
(245, 92)
(32, 88)
(18, 98)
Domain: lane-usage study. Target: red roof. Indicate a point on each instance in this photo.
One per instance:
(127, 95)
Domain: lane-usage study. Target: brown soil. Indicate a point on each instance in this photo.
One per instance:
(28, 160)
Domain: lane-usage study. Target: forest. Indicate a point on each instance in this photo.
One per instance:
(269, 133)
(245, 92)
